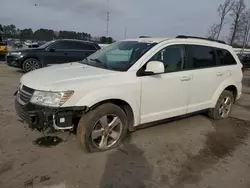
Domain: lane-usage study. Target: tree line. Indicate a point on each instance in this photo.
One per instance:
(11, 31)
(235, 15)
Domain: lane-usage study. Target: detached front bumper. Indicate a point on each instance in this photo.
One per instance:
(41, 118)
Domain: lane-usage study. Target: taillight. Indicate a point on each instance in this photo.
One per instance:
(243, 69)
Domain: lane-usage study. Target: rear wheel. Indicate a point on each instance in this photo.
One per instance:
(31, 64)
(103, 128)
(223, 106)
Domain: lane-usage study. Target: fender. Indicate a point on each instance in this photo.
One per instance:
(103, 94)
(220, 89)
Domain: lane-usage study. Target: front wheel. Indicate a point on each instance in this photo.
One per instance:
(103, 128)
(223, 106)
(31, 64)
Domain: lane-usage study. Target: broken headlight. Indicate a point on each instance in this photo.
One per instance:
(52, 99)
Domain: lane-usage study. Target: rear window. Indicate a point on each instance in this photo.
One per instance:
(225, 57)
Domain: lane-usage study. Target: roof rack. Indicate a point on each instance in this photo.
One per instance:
(144, 37)
(193, 37)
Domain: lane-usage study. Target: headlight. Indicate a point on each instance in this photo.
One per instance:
(15, 53)
(52, 99)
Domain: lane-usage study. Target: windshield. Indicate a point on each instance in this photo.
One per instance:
(119, 56)
(46, 44)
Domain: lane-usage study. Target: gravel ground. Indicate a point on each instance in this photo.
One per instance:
(191, 152)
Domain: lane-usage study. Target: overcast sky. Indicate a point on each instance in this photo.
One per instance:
(141, 17)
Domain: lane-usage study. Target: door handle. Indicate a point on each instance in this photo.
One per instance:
(219, 73)
(185, 78)
(65, 53)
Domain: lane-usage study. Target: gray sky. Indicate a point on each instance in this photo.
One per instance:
(141, 17)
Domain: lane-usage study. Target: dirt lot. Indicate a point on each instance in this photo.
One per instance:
(192, 152)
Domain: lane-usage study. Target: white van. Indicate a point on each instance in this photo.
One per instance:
(147, 80)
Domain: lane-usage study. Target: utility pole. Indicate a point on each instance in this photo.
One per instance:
(125, 33)
(107, 29)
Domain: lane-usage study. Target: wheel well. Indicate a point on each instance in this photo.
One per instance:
(124, 106)
(232, 89)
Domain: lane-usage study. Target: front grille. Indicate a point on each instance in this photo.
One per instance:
(24, 94)
(26, 114)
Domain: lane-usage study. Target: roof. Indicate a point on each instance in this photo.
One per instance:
(149, 40)
(74, 40)
(184, 40)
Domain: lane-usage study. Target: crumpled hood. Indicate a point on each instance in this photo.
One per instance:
(69, 76)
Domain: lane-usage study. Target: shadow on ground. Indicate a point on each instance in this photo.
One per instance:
(126, 167)
(228, 135)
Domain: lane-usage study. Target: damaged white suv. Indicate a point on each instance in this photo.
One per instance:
(130, 83)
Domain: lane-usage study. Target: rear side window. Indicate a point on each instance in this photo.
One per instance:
(73, 45)
(61, 45)
(202, 56)
(225, 57)
(84, 46)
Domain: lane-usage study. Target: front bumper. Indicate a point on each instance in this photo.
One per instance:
(14, 61)
(41, 118)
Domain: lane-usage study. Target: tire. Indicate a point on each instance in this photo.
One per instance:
(91, 125)
(221, 110)
(31, 64)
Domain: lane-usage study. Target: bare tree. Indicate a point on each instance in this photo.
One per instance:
(246, 29)
(213, 31)
(237, 25)
(223, 11)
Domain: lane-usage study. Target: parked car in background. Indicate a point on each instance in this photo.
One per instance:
(245, 60)
(3, 48)
(53, 52)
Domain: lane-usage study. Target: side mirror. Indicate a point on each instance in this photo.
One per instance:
(155, 67)
(52, 50)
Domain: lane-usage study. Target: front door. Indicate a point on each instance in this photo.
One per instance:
(166, 95)
(57, 53)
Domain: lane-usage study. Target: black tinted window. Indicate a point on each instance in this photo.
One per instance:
(203, 56)
(173, 58)
(61, 45)
(246, 58)
(85, 46)
(225, 57)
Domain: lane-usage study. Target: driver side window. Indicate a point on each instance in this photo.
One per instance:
(173, 58)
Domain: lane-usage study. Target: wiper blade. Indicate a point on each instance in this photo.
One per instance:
(99, 62)
(96, 60)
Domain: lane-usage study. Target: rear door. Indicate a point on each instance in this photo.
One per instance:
(207, 76)
(78, 50)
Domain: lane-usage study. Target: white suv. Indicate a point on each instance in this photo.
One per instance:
(130, 83)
